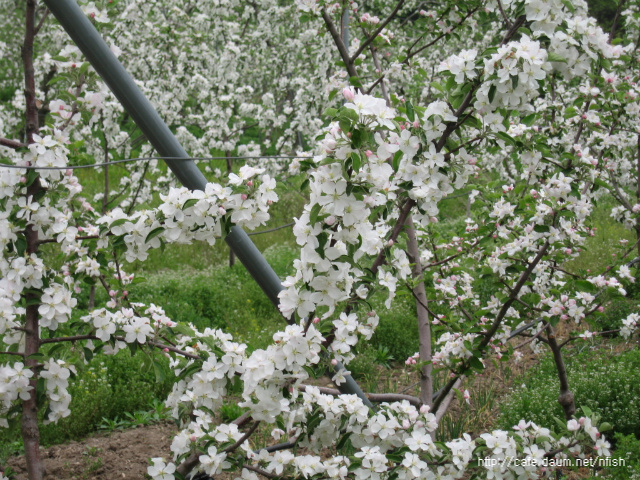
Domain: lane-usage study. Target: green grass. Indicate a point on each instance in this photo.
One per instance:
(597, 252)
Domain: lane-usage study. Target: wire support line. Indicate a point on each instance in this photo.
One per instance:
(144, 159)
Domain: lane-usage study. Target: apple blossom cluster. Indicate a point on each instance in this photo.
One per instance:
(56, 374)
(396, 438)
(126, 325)
(630, 325)
(185, 216)
(14, 381)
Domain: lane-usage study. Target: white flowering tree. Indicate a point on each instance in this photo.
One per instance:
(423, 116)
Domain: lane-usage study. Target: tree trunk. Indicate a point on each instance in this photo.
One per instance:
(424, 327)
(29, 422)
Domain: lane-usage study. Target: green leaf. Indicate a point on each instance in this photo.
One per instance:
(117, 223)
(569, 5)
(476, 364)
(189, 203)
(356, 138)
(514, 81)
(438, 87)
(554, 57)
(396, 160)
(604, 427)
(153, 234)
(57, 79)
(159, 371)
(88, 354)
(411, 114)
(528, 120)
(355, 81)
(20, 245)
(506, 138)
(585, 286)
(356, 162)
(330, 112)
(492, 93)
(313, 215)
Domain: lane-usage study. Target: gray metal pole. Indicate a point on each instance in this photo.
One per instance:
(344, 21)
(89, 41)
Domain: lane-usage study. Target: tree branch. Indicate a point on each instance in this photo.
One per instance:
(368, 41)
(5, 142)
(342, 49)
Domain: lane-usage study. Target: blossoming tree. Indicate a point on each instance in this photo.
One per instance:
(422, 116)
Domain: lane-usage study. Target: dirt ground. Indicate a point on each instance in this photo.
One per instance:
(117, 455)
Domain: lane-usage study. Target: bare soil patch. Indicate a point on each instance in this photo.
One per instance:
(120, 454)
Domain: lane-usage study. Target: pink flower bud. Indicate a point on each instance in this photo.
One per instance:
(315, 320)
(390, 243)
(23, 179)
(250, 183)
(243, 196)
(125, 293)
(416, 123)
(330, 220)
(568, 251)
(193, 438)
(348, 94)
(334, 362)
(165, 350)
(406, 424)
(601, 309)
(112, 293)
(368, 153)
(564, 317)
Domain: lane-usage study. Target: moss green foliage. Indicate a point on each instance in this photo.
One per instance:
(607, 384)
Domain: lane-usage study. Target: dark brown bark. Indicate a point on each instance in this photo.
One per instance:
(566, 398)
(29, 421)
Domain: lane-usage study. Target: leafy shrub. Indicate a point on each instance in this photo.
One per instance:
(363, 365)
(609, 385)
(110, 386)
(617, 310)
(627, 448)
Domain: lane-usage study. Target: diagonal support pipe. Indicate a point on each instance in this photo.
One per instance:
(92, 45)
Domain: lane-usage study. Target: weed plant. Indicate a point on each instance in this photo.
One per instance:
(607, 384)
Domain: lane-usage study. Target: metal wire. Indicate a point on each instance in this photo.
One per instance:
(141, 159)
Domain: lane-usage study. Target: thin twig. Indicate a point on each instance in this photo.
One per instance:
(375, 34)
